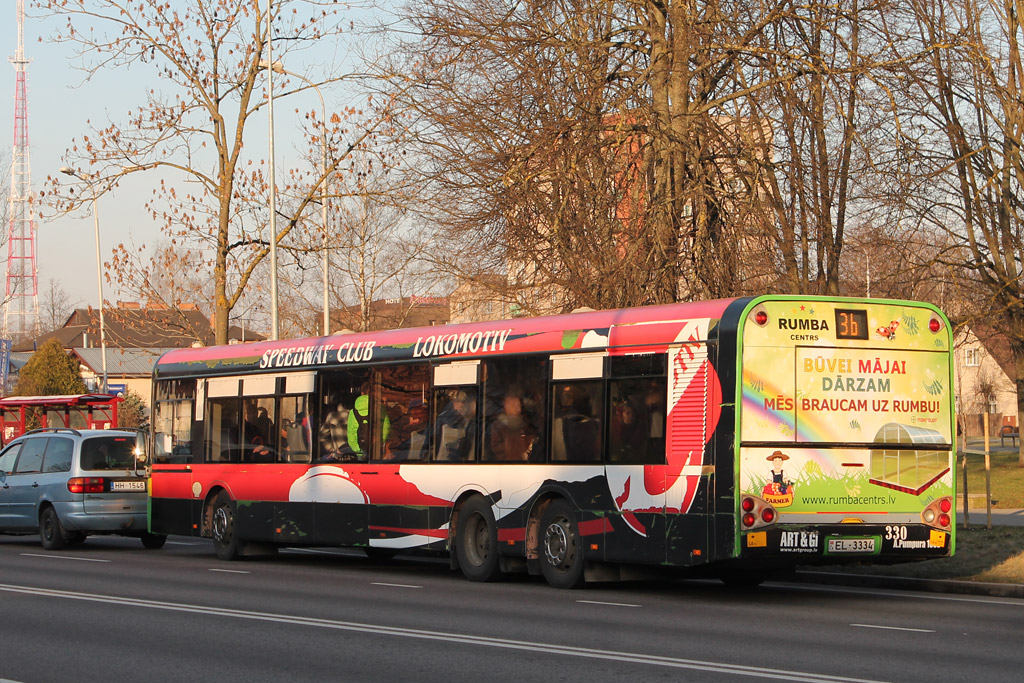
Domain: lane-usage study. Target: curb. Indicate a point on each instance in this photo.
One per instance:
(1000, 590)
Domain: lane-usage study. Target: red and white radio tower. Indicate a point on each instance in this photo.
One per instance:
(21, 302)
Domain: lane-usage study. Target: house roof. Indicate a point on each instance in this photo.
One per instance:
(121, 362)
(136, 327)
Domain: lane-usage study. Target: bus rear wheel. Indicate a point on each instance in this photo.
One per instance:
(561, 553)
(476, 541)
(222, 527)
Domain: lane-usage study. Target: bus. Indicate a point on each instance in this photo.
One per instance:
(730, 438)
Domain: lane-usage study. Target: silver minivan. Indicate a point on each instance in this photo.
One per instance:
(67, 484)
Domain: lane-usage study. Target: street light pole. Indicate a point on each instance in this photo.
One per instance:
(278, 68)
(274, 327)
(99, 265)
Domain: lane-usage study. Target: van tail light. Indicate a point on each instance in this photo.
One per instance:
(87, 485)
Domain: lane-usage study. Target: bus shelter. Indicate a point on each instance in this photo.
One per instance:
(75, 411)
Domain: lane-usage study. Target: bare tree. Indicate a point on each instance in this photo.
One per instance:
(211, 60)
(55, 307)
(964, 124)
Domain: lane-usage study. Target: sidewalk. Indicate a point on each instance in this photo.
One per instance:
(978, 519)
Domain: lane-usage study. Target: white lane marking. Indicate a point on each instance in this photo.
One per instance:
(64, 557)
(180, 543)
(461, 638)
(395, 585)
(229, 571)
(904, 594)
(610, 604)
(894, 628)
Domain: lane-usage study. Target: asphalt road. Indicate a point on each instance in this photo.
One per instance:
(111, 611)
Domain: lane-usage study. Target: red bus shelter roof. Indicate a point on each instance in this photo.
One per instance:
(62, 400)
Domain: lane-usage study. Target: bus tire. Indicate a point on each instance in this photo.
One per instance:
(153, 541)
(51, 531)
(476, 541)
(222, 528)
(561, 552)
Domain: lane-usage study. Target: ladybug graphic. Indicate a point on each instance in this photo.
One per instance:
(889, 331)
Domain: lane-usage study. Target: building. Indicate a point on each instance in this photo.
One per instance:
(135, 337)
(985, 379)
(393, 313)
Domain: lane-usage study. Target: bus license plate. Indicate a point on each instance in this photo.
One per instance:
(127, 486)
(851, 545)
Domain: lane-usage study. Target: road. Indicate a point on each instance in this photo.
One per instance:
(114, 612)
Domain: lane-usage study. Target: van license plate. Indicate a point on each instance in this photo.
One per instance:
(127, 486)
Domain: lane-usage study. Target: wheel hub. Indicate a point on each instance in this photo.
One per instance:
(556, 544)
(220, 523)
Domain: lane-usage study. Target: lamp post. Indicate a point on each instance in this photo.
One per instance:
(99, 264)
(274, 327)
(278, 68)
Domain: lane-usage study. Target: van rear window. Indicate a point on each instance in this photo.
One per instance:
(108, 453)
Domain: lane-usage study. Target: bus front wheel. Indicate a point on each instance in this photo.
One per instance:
(476, 540)
(222, 528)
(561, 556)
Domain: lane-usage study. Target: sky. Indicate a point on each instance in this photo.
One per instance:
(60, 103)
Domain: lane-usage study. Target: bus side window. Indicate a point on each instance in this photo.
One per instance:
(514, 395)
(455, 426)
(224, 421)
(637, 397)
(295, 430)
(577, 409)
(404, 394)
(344, 407)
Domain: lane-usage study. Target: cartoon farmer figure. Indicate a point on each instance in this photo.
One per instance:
(778, 476)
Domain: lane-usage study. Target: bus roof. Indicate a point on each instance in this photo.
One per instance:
(633, 328)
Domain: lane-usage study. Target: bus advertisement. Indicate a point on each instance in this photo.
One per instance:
(728, 438)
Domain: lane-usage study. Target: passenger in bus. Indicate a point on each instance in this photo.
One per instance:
(254, 439)
(359, 425)
(455, 429)
(407, 437)
(630, 434)
(333, 433)
(576, 431)
(512, 435)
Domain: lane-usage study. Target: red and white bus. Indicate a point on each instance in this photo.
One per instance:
(728, 437)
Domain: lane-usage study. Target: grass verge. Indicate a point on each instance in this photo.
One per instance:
(1007, 480)
(995, 555)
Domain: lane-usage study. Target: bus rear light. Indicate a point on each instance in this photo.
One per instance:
(761, 318)
(944, 520)
(934, 325)
(768, 515)
(748, 504)
(928, 516)
(945, 504)
(87, 485)
(749, 519)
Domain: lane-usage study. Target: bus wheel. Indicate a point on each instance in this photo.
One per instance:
(153, 541)
(476, 542)
(222, 526)
(379, 554)
(561, 556)
(738, 579)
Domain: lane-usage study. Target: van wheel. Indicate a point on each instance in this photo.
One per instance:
(153, 541)
(51, 531)
(476, 541)
(561, 553)
(222, 526)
